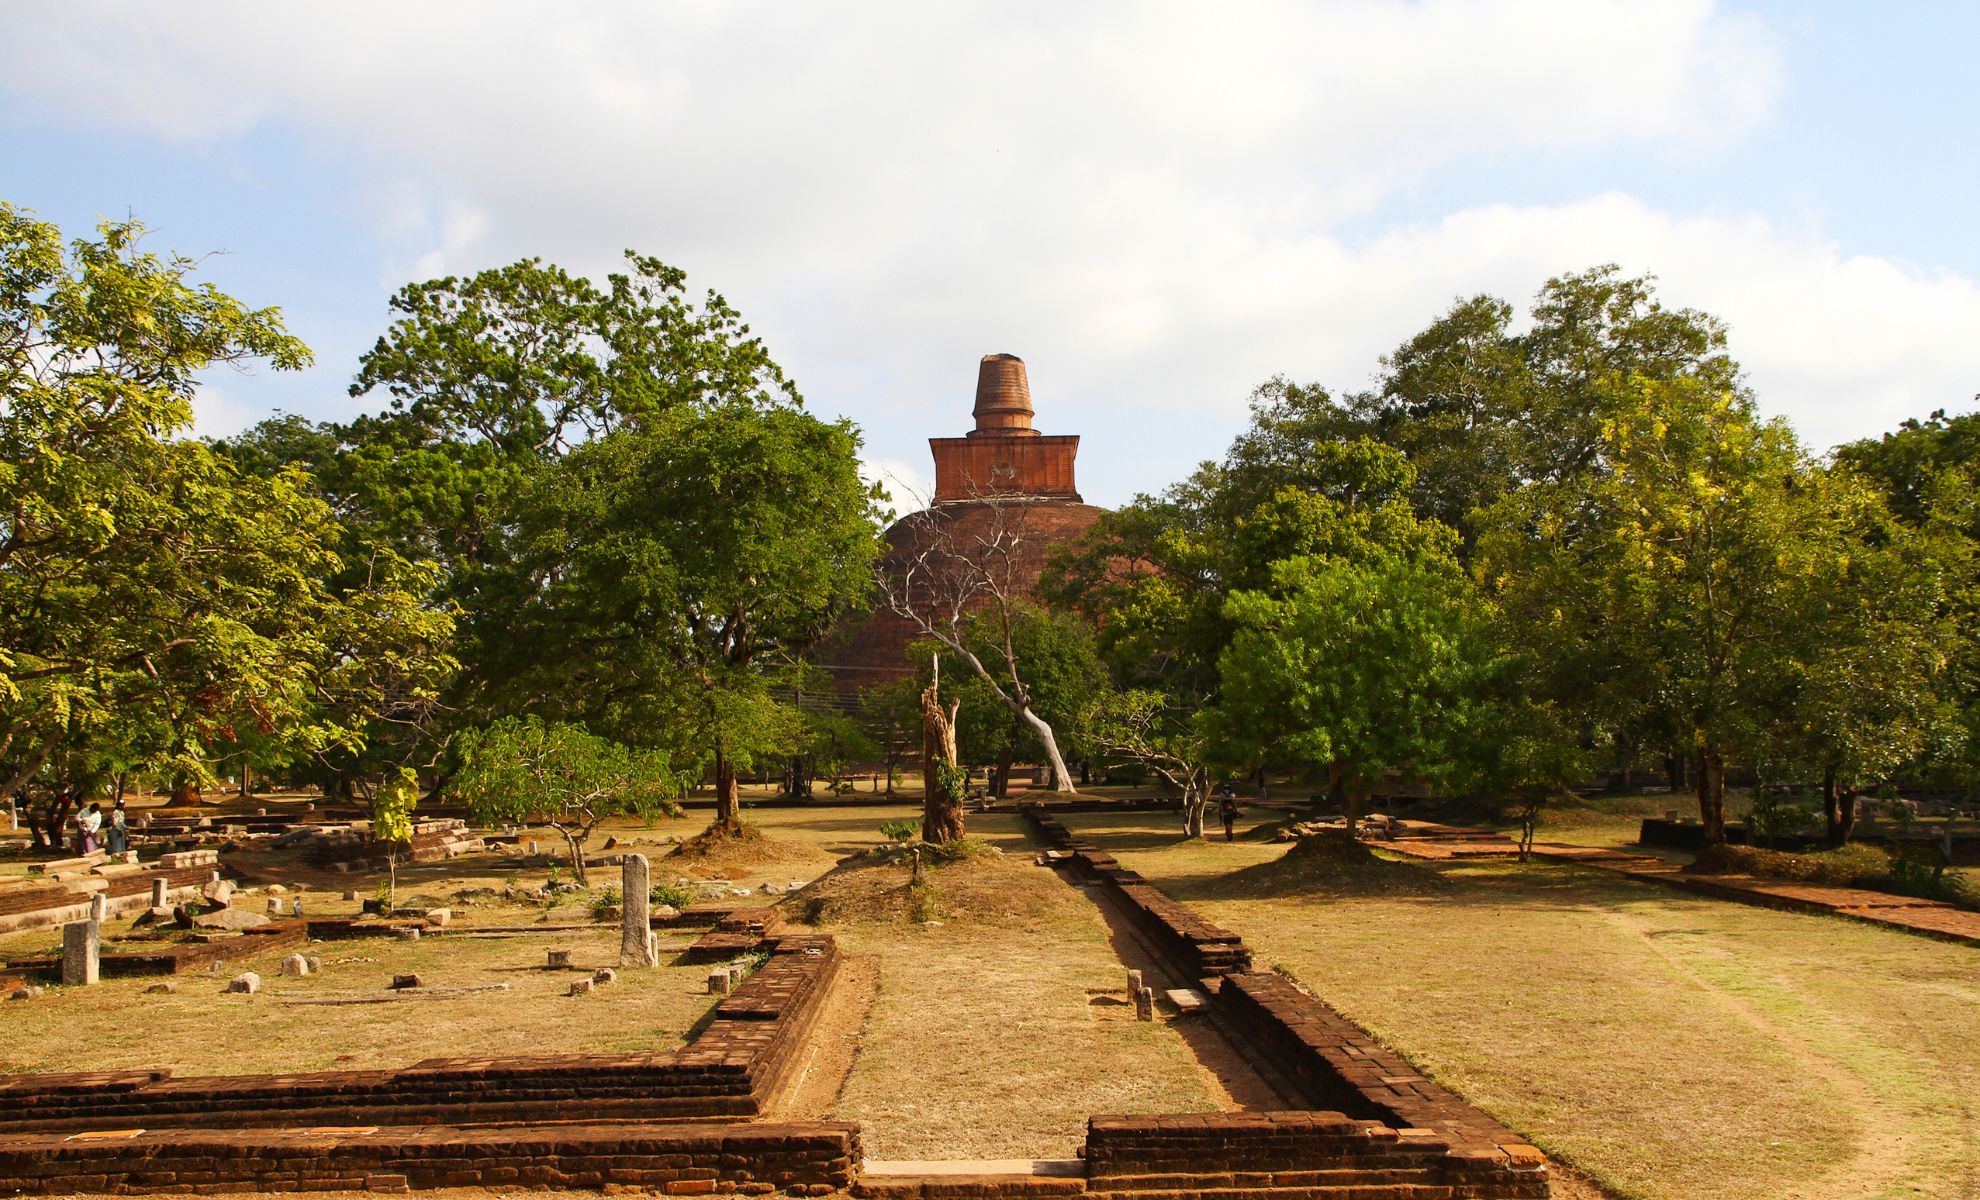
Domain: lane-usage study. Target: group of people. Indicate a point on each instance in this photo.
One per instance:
(97, 831)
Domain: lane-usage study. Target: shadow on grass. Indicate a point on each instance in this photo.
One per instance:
(1307, 874)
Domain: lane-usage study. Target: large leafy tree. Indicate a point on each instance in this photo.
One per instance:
(1481, 410)
(160, 609)
(678, 568)
(1367, 655)
(1710, 581)
(489, 380)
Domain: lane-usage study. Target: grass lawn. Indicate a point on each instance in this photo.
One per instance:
(984, 1040)
(200, 1030)
(1671, 1046)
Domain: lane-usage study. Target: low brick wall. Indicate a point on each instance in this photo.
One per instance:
(39, 905)
(730, 1070)
(180, 958)
(1275, 1153)
(1379, 1128)
(812, 1158)
(1198, 948)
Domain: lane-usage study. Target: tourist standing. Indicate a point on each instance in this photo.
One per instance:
(117, 831)
(88, 822)
(1227, 812)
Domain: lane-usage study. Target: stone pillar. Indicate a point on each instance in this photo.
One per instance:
(99, 909)
(158, 897)
(636, 940)
(82, 944)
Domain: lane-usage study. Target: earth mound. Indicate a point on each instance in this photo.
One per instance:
(971, 884)
(1331, 864)
(716, 851)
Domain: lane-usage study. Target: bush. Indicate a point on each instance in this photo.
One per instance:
(677, 898)
(900, 831)
(1913, 877)
(604, 902)
(1851, 866)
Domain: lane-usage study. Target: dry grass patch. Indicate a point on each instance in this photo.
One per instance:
(995, 1035)
(200, 1030)
(1673, 1046)
(982, 884)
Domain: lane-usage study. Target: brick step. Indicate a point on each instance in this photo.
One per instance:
(967, 1179)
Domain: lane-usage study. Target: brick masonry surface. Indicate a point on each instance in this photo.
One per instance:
(1380, 1128)
(811, 1158)
(728, 1071)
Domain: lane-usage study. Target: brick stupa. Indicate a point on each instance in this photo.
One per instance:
(1000, 463)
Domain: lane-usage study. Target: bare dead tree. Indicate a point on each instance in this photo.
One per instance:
(962, 569)
(941, 774)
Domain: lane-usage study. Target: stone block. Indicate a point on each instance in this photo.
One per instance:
(557, 960)
(295, 965)
(636, 942)
(408, 934)
(159, 890)
(604, 975)
(246, 982)
(718, 982)
(439, 917)
(82, 946)
(580, 987)
(401, 982)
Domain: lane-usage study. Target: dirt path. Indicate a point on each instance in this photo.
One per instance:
(1227, 1074)
(832, 1043)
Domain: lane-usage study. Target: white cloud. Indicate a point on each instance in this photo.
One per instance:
(909, 486)
(1146, 202)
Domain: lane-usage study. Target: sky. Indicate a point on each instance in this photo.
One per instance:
(1159, 206)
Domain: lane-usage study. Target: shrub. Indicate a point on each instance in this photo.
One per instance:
(677, 898)
(1914, 877)
(604, 902)
(900, 831)
(1850, 866)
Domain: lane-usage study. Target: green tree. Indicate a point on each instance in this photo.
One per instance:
(1681, 589)
(891, 715)
(561, 775)
(160, 610)
(678, 568)
(1354, 664)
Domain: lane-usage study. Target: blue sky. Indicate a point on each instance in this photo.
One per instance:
(1157, 207)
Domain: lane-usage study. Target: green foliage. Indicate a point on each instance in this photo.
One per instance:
(682, 564)
(392, 808)
(900, 831)
(677, 898)
(160, 609)
(952, 779)
(604, 901)
(528, 771)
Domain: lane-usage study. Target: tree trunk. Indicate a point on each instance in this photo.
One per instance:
(941, 811)
(1062, 780)
(185, 792)
(247, 776)
(1711, 775)
(728, 813)
(1000, 786)
(1838, 809)
(1195, 800)
(574, 839)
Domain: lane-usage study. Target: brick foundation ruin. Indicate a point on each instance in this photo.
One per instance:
(1378, 1128)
